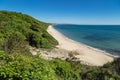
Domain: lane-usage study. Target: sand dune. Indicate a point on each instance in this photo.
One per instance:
(86, 54)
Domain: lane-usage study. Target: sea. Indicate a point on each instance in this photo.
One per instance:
(102, 37)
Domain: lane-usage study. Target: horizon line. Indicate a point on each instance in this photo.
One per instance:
(80, 24)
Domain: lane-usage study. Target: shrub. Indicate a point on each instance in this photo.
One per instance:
(20, 67)
(64, 71)
(15, 43)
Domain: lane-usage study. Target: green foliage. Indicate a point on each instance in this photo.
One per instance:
(38, 41)
(15, 43)
(64, 71)
(33, 31)
(114, 66)
(100, 74)
(21, 67)
(109, 71)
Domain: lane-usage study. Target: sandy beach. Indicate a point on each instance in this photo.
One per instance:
(85, 54)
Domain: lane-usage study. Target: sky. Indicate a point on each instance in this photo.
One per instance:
(67, 11)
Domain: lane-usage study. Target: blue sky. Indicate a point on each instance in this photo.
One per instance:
(68, 11)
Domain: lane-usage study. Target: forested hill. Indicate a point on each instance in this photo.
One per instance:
(22, 28)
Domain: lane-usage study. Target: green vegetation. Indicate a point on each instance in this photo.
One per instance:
(25, 29)
(21, 67)
(18, 31)
(27, 67)
(110, 71)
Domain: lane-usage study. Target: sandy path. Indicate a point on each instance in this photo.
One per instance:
(87, 54)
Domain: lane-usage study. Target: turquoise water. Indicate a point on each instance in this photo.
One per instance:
(104, 37)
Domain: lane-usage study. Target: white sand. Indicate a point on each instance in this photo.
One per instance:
(86, 54)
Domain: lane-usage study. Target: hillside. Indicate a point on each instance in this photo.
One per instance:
(21, 28)
(18, 31)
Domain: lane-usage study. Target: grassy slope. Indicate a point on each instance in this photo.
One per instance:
(31, 30)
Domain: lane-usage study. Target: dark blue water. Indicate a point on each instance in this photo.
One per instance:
(104, 37)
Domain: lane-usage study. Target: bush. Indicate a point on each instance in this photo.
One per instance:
(20, 67)
(15, 43)
(64, 71)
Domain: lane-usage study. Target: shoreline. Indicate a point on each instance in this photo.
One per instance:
(96, 49)
(86, 53)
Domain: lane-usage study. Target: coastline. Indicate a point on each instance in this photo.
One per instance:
(86, 54)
